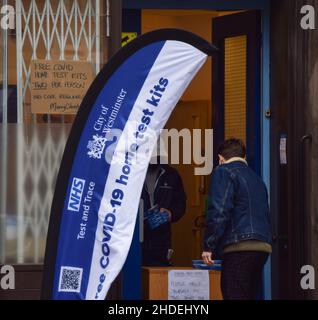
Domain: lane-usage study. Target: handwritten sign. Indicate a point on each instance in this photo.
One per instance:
(188, 285)
(58, 87)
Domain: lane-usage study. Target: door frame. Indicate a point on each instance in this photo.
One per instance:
(230, 26)
(264, 7)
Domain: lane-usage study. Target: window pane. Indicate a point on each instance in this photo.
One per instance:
(235, 87)
(30, 161)
(31, 144)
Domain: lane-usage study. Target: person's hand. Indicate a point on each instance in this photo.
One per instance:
(207, 257)
(167, 211)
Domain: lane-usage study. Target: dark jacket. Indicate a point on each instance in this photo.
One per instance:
(169, 194)
(237, 207)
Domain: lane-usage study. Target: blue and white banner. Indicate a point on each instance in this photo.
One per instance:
(105, 161)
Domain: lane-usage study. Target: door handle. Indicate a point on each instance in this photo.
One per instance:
(306, 137)
(302, 203)
(199, 221)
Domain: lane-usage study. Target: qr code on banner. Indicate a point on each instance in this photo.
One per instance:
(70, 279)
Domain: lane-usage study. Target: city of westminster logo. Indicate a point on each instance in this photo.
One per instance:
(96, 146)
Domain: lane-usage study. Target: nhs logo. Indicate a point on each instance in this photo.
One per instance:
(75, 199)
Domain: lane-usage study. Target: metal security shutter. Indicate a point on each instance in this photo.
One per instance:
(58, 29)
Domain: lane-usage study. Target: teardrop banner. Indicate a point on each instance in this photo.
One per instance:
(105, 161)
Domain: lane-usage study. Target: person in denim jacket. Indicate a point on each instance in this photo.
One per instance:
(237, 223)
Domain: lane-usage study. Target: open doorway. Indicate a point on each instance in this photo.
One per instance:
(224, 96)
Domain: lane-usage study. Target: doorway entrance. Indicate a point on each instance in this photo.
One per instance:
(229, 95)
(224, 96)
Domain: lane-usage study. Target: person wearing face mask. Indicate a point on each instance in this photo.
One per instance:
(164, 202)
(237, 223)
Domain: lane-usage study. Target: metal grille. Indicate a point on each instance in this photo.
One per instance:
(53, 30)
(58, 29)
(39, 155)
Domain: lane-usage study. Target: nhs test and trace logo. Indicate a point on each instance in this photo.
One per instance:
(76, 194)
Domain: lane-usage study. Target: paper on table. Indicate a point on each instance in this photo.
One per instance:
(188, 285)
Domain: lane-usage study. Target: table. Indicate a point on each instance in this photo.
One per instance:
(155, 282)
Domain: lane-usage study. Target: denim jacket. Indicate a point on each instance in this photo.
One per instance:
(237, 207)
